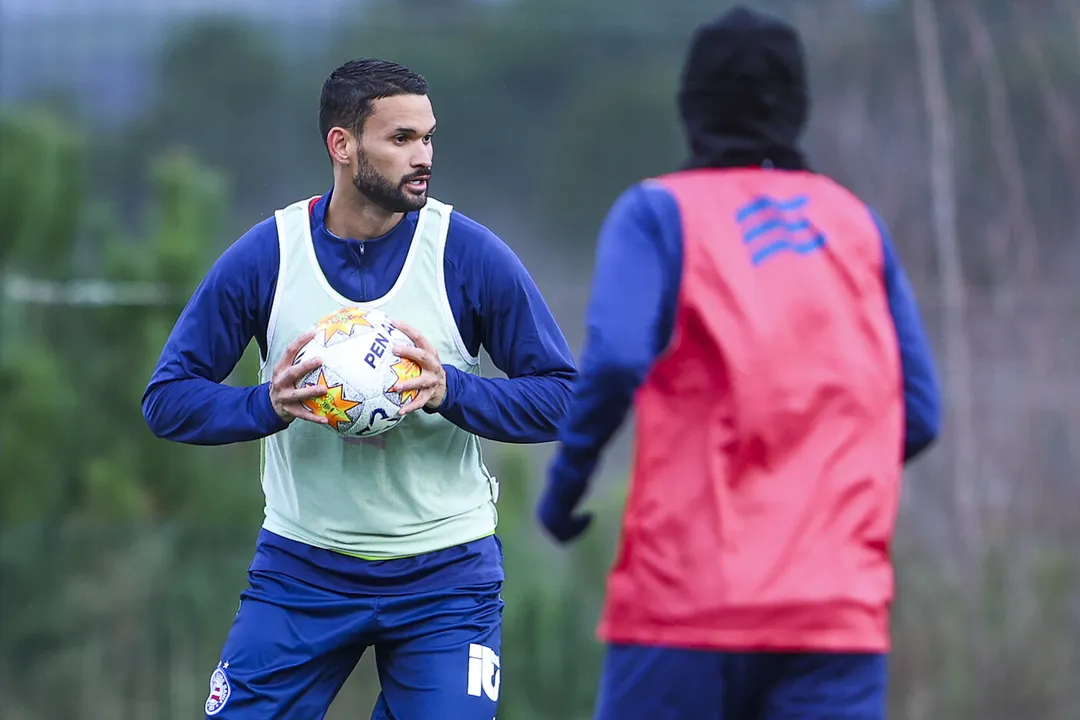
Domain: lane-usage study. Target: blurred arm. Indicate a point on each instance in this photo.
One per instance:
(516, 327)
(922, 394)
(629, 323)
(185, 400)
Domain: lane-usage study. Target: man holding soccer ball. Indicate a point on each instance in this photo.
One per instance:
(388, 541)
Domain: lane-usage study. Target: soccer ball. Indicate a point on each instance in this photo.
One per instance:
(358, 370)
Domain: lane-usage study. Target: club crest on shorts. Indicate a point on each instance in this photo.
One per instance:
(220, 690)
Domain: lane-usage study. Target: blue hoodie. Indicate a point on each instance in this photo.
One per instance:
(630, 318)
(495, 302)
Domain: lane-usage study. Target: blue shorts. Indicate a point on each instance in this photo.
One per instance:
(433, 621)
(655, 683)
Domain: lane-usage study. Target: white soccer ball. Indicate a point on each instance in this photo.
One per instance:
(359, 368)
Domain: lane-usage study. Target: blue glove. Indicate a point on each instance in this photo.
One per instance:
(557, 509)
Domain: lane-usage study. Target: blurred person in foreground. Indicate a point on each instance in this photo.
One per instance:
(756, 316)
(387, 542)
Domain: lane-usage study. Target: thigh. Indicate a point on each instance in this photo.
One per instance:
(438, 655)
(827, 686)
(660, 683)
(290, 649)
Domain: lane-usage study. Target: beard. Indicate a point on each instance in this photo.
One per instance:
(390, 196)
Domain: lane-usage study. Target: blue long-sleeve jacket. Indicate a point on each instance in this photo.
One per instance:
(494, 300)
(631, 315)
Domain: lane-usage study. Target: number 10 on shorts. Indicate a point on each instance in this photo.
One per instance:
(484, 673)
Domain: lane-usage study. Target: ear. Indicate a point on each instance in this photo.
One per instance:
(340, 143)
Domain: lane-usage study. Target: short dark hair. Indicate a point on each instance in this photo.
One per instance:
(349, 91)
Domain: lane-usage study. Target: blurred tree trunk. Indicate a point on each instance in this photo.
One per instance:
(1007, 155)
(1015, 267)
(958, 366)
(1061, 115)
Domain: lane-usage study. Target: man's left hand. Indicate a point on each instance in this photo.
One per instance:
(430, 387)
(558, 514)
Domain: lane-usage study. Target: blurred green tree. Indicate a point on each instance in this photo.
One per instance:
(73, 440)
(224, 94)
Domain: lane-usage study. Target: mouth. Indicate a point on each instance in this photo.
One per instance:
(418, 185)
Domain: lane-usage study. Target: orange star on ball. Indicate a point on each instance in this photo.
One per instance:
(332, 405)
(406, 369)
(342, 321)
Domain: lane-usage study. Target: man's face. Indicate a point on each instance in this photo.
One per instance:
(393, 157)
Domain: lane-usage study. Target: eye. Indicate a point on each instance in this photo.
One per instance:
(427, 139)
(400, 139)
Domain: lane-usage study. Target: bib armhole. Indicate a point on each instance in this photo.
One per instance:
(279, 284)
(444, 295)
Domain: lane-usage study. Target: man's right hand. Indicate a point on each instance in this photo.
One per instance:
(287, 399)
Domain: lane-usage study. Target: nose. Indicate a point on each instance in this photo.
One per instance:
(422, 158)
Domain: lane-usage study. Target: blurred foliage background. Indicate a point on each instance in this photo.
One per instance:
(138, 139)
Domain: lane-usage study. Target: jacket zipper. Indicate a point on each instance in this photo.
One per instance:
(363, 283)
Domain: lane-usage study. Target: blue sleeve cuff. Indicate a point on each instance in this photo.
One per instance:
(263, 409)
(453, 389)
